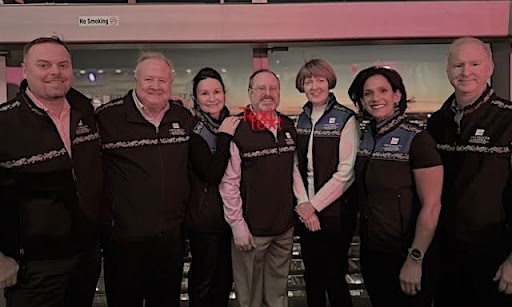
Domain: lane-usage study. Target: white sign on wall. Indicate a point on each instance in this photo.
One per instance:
(98, 21)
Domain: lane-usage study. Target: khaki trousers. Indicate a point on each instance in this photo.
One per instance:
(261, 275)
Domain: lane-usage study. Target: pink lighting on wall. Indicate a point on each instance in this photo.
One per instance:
(14, 75)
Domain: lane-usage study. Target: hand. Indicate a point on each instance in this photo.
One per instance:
(229, 125)
(305, 210)
(183, 101)
(8, 271)
(504, 275)
(410, 276)
(312, 223)
(245, 243)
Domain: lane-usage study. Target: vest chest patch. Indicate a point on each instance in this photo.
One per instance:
(479, 138)
(288, 140)
(82, 128)
(176, 129)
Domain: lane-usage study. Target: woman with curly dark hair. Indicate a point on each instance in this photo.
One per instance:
(399, 178)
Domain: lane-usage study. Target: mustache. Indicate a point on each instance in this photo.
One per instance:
(267, 97)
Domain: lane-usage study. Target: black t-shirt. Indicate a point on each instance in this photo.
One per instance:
(423, 152)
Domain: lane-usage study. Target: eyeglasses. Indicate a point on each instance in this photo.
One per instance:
(263, 89)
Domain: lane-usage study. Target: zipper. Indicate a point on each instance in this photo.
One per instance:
(365, 172)
(157, 130)
(400, 215)
(204, 202)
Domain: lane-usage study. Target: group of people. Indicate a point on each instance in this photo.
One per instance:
(129, 181)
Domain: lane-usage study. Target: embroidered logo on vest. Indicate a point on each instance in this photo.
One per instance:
(393, 145)
(176, 129)
(479, 137)
(288, 140)
(82, 128)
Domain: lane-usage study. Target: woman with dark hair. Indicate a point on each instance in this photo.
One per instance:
(210, 274)
(327, 139)
(399, 178)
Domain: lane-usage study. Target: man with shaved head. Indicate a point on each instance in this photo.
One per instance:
(473, 131)
(50, 182)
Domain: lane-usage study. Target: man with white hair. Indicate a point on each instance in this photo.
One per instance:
(145, 155)
(473, 130)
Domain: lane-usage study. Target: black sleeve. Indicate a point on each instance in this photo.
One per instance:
(423, 152)
(210, 167)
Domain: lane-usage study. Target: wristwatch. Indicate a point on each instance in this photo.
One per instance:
(415, 254)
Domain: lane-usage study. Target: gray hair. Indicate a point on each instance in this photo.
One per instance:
(471, 40)
(153, 56)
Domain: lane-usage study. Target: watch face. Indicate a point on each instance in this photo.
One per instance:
(416, 254)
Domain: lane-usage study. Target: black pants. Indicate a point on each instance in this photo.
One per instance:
(61, 282)
(325, 256)
(210, 278)
(381, 274)
(467, 280)
(147, 270)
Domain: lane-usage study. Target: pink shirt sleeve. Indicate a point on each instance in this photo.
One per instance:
(344, 176)
(229, 189)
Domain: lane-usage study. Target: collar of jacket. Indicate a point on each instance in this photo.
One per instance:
(331, 101)
(209, 122)
(387, 125)
(486, 97)
(74, 98)
(133, 114)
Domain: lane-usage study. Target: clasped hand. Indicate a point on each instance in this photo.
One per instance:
(307, 215)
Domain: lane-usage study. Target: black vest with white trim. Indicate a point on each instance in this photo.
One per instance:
(386, 190)
(146, 175)
(326, 152)
(477, 193)
(49, 202)
(266, 186)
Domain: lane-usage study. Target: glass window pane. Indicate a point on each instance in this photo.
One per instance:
(422, 68)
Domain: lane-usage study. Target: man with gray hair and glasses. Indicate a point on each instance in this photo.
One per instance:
(473, 131)
(257, 190)
(145, 142)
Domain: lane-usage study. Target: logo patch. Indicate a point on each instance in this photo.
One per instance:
(479, 137)
(332, 120)
(176, 130)
(479, 132)
(288, 140)
(393, 145)
(82, 128)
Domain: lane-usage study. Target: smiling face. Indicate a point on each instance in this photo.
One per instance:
(316, 90)
(468, 68)
(153, 82)
(210, 96)
(379, 100)
(264, 92)
(47, 68)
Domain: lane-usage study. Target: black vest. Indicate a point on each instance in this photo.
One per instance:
(477, 191)
(326, 140)
(266, 186)
(386, 191)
